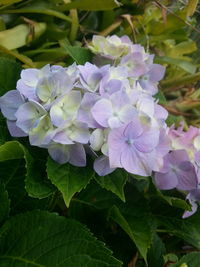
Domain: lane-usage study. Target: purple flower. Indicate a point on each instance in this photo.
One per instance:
(192, 197)
(91, 76)
(115, 111)
(133, 148)
(115, 80)
(42, 133)
(102, 166)
(29, 115)
(84, 113)
(27, 84)
(112, 47)
(177, 172)
(135, 64)
(71, 133)
(9, 103)
(55, 84)
(150, 80)
(74, 154)
(14, 130)
(65, 108)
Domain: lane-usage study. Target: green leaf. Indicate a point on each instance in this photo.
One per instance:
(13, 174)
(174, 201)
(95, 196)
(161, 97)
(9, 74)
(39, 7)
(9, 2)
(136, 221)
(186, 47)
(186, 229)
(4, 133)
(183, 64)
(156, 252)
(68, 179)
(189, 260)
(11, 150)
(17, 36)
(188, 79)
(114, 182)
(79, 54)
(4, 203)
(192, 6)
(36, 184)
(47, 240)
(26, 60)
(91, 5)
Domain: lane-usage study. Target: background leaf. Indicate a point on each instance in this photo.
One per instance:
(79, 54)
(114, 182)
(36, 184)
(4, 203)
(137, 223)
(91, 5)
(187, 229)
(9, 74)
(156, 252)
(183, 64)
(192, 5)
(42, 239)
(190, 260)
(13, 174)
(68, 179)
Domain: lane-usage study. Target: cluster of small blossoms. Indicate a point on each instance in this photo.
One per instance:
(181, 168)
(108, 110)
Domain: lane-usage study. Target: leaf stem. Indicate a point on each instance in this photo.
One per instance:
(111, 28)
(22, 58)
(74, 25)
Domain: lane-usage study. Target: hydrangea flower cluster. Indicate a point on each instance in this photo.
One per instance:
(109, 110)
(181, 168)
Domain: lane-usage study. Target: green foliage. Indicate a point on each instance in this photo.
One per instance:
(114, 182)
(9, 74)
(91, 5)
(156, 252)
(43, 239)
(137, 223)
(4, 203)
(68, 179)
(79, 54)
(36, 185)
(187, 230)
(190, 260)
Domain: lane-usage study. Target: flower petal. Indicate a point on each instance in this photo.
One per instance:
(147, 141)
(102, 166)
(59, 153)
(29, 115)
(132, 163)
(166, 181)
(102, 111)
(14, 130)
(9, 103)
(77, 155)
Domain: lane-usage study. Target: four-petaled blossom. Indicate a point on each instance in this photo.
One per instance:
(131, 147)
(177, 172)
